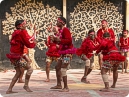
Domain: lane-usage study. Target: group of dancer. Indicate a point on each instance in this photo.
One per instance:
(61, 49)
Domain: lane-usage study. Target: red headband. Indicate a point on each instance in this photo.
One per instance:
(61, 21)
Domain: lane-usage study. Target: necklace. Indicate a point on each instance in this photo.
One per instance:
(95, 43)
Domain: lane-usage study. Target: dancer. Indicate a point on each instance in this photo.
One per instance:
(20, 38)
(85, 52)
(124, 48)
(104, 28)
(53, 48)
(111, 59)
(65, 52)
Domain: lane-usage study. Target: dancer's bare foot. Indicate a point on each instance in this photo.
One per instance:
(87, 82)
(64, 90)
(27, 89)
(84, 80)
(10, 92)
(47, 80)
(56, 87)
(105, 90)
(20, 81)
(113, 86)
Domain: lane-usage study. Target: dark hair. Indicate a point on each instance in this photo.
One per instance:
(106, 34)
(18, 22)
(63, 19)
(92, 30)
(125, 31)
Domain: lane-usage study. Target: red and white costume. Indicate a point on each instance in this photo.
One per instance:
(100, 33)
(66, 46)
(124, 44)
(87, 47)
(52, 48)
(110, 52)
(20, 38)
